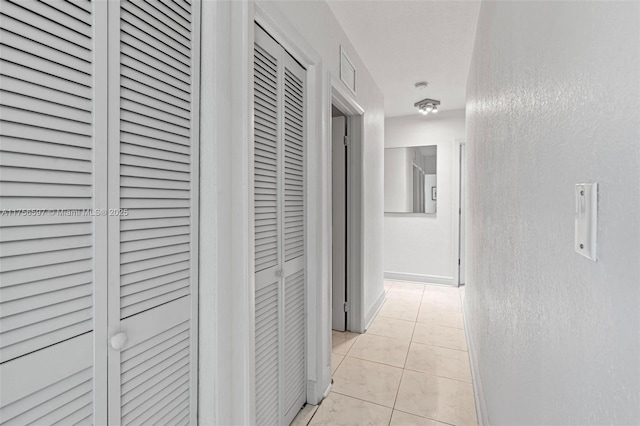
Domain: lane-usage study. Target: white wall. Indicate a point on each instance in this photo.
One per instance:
(415, 245)
(554, 100)
(396, 181)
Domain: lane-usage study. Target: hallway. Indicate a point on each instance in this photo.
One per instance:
(194, 193)
(410, 368)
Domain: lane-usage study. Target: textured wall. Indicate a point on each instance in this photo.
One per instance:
(554, 100)
(423, 245)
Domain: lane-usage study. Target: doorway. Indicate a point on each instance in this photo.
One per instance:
(347, 298)
(340, 195)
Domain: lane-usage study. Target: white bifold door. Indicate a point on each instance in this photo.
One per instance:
(280, 280)
(99, 199)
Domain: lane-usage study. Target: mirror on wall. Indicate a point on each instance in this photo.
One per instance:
(410, 184)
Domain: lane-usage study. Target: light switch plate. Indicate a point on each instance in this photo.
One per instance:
(586, 219)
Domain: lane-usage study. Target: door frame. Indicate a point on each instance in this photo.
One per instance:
(339, 133)
(344, 100)
(459, 168)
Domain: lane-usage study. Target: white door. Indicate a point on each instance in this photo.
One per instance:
(278, 165)
(106, 185)
(339, 220)
(52, 276)
(153, 180)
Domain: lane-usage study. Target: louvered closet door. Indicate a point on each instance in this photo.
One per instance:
(267, 227)
(51, 142)
(279, 232)
(153, 180)
(293, 240)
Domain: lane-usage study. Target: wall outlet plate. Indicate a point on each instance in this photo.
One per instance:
(586, 219)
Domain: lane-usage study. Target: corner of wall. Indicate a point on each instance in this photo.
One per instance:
(373, 310)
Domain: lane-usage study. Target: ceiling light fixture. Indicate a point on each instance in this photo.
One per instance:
(426, 106)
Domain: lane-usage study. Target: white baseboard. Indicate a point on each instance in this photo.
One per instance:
(315, 395)
(371, 313)
(327, 391)
(432, 279)
(481, 407)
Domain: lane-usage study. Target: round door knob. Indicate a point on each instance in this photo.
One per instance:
(118, 341)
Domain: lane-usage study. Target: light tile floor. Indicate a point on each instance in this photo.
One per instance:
(410, 368)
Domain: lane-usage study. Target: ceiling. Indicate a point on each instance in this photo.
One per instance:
(406, 41)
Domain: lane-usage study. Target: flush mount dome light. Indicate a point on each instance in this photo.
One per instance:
(426, 106)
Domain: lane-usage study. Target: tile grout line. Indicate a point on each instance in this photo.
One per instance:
(354, 342)
(377, 362)
(360, 399)
(396, 318)
(441, 324)
(395, 401)
(422, 300)
(415, 324)
(437, 346)
(339, 364)
(442, 347)
(314, 413)
(374, 362)
(404, 367)
(428, 418)
(388, 337)
(451, 312)
(368, 402)
(383, 406)
(369, 333)
(436, 375)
